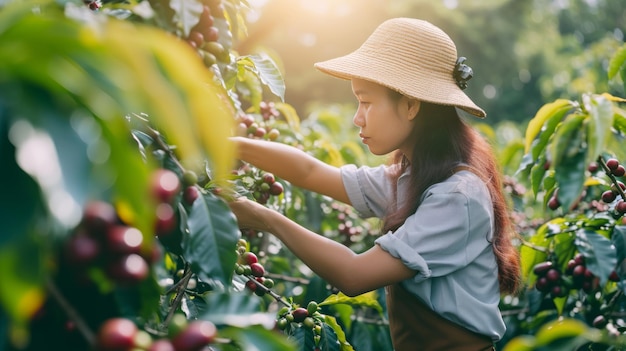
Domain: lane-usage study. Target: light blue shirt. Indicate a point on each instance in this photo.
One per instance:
(447, 241)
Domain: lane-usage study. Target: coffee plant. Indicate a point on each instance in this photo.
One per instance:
(573, 262)
(114, 125)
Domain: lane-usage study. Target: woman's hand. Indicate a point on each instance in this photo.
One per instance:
(250, 214)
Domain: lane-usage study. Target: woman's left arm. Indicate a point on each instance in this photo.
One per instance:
(351, 273)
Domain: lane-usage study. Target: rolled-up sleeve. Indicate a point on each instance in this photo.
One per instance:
(368, 189)
(435, 240)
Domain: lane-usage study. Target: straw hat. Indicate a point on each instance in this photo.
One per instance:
(410, 56)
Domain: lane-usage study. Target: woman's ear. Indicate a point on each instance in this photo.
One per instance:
(413, 107)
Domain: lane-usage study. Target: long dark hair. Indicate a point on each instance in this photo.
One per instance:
(442, 141)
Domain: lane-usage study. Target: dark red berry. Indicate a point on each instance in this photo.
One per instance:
(269, 178)
(593, 167)
(128, 269)
(553, 203)
(553, 275)
(249, 258)
(116, 334)
(98, 216)
(276, 189)
(165, 185)
(257, 269)
(612, 163)
(542, 267)
(621, 207)
(190, 194)
(542, 284)
(196, 336)
(162, 345)
(81, 249)
(122, 239)
(619, 171)
(251, 285)
(165, 219)
(608, 196)
(299, 314)
(614, 277)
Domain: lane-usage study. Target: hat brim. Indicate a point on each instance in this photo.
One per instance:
(391, 74)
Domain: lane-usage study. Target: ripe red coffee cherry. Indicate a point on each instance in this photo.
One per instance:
(165, 219)
(542, 267)
(190, 195)
(299, 314)
(251, 285)
(128, 269)
(165, 185)
(257, 269)
(593, 167)
(98, 216)
(553, 203)
(619, 171)
(553, 275)
(269, 178)
(122, 239)
(162, 345)
(81, 249)
(276, 189)
(196, 336)
(608, 196)
(249, 258)
(116, 334)
(621, 207)
(612, 163)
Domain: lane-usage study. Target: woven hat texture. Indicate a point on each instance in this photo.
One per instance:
(411, 56)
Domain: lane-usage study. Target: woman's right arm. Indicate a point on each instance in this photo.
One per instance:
(293, 165)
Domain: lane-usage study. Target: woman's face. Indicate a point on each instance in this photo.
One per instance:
(385, 123)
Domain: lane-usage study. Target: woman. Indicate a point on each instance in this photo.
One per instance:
(447, 254)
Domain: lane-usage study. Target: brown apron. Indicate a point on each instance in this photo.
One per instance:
(414, 327)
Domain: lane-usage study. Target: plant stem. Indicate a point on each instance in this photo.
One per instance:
(269, 291)
(71, 312)
(180, 293)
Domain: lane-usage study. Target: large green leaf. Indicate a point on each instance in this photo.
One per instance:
(370, 337)
(570, 177)
(303, 337)
(255, 338)
(545, 113)
(213, 235)
(599, 252)
(265, 68)
(600, 111)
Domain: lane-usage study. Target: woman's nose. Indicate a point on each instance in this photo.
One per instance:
(358, 119)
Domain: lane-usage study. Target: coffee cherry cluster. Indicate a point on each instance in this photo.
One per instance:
(204, 35)
(102, 240)
(260, 125)
(248, 265)
(121, 334)
(583, 278)
(165, 187)
(308, 317)
(549, 279)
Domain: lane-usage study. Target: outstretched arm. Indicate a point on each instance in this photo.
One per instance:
(293, 165)
(351, 273)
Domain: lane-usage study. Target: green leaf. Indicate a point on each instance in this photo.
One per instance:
(570, 176)
(186, 14)
(616, 64)
(303, 337)
(619, 121)
(600, 111)
(545, 113)
(364, 300)
(265, 68)
(600, 254)
(255, 337)
(341, 335)
(213, 235)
